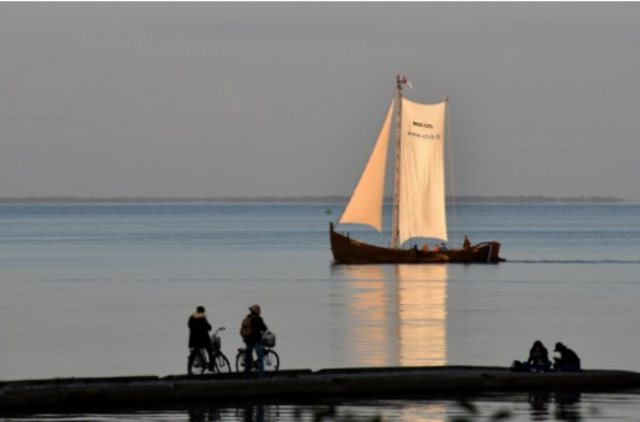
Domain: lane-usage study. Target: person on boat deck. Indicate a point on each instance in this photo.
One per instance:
(425, 248)
(254, 339)
(568, 360)
(538, 358)
(443, 247)
(199, 329)
(466, 244)
(436, 248)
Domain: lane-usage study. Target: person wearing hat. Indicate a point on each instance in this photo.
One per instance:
(252, 328)
(199, 329)
(568, 360)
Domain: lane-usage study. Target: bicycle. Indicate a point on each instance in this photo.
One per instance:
(220, 365)
(271, 359)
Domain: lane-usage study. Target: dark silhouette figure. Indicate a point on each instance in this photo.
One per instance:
(466, 243)
(568, 360)
(539, 358)
(252, 337)
(199, 329)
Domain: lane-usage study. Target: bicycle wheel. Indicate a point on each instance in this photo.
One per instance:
(240, 362)
(200, 362)
(221, 364)
(271, 361)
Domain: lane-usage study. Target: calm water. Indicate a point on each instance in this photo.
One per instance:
(106, 290)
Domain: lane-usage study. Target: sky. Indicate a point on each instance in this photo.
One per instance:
(286, 99)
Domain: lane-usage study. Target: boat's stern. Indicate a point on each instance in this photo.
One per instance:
(494, 252)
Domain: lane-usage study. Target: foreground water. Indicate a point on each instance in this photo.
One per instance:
(105, 290)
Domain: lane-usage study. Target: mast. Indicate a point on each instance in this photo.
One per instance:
(396, 184)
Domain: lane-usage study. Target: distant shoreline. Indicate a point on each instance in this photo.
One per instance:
(301, 200)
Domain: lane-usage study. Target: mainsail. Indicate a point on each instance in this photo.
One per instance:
(421, 176)
(422, 190)
(365, 206)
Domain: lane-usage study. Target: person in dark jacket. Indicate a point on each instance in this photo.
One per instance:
(539, 358)
(568, 360)
(199, 329)
(253, 339)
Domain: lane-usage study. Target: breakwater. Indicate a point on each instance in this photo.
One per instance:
(293, 385)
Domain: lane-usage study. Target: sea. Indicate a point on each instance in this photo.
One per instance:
(105, 290)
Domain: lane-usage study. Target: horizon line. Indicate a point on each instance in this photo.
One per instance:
(302, 198)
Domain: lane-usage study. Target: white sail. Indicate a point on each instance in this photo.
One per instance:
(365, 206)
(422, 189)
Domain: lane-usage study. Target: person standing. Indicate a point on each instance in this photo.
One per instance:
(199, 329)
(252, 328)
(466, 243)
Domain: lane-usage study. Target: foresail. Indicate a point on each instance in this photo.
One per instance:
(365, 206)
(422, 189)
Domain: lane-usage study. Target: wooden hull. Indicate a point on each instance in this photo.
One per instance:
(350, 251)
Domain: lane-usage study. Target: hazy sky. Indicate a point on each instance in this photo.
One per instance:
(286, 99)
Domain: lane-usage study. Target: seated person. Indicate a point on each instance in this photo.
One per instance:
(538, 358)
(568, 360)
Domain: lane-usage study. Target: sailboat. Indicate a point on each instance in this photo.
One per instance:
(419, 208)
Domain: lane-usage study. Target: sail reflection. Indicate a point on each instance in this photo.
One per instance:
(397, 314)
(422, 294)
(370, 314)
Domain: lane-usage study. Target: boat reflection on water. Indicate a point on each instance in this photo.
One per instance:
(422, 314)
(396, 314)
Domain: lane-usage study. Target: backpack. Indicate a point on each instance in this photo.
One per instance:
(517, 366)
(245, 328)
